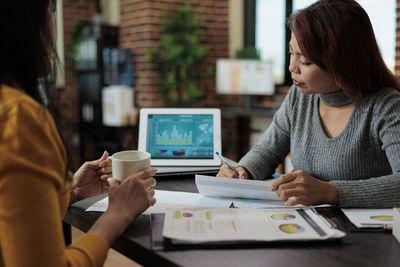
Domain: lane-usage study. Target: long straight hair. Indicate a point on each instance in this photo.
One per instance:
(337, 35)
(26, 49)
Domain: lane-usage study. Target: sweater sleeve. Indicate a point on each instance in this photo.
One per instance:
(262, 160)
(32, 186)
(383, 191)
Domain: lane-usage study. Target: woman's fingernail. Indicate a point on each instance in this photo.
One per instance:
(109, 180)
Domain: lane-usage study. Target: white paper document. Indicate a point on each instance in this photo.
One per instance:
(100, 205)
(211, 186)
(369, 218)
(209, 225)
(168, 199)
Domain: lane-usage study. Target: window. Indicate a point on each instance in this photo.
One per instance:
(383, 18)
(272, 37)
(298, 4)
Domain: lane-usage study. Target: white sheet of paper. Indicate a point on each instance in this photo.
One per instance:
(100, 205)
(363, 218)
(261, 204)
(211, 186)
(202, 225)
(167, 199)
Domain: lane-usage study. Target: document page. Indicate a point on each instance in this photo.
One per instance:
(170, 199)
(209, 225)
(211, 186)
(369, 218)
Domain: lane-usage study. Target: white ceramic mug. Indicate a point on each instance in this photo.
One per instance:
(129, 162)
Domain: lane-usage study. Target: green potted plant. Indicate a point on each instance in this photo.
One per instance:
(248, 52)
(179, 57)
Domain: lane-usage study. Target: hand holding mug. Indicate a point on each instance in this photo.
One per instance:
(126, 200)
(91, 178)
(134, 195)
(128, 162)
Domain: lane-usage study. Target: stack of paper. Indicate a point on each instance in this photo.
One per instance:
(213, 193)
(168, 199)
(211, 186)
(212, 225)
(206, 216)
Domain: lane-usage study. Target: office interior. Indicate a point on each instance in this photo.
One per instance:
(105, 43)
(94, 35)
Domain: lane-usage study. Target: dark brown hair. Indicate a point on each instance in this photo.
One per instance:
(24, 47)
(337, 35)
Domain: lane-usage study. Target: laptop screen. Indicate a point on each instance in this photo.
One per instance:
(180, 136)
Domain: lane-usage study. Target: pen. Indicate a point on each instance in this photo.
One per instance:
(227, 164)
(385, 226)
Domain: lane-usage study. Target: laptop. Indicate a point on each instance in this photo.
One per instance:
(181, 140)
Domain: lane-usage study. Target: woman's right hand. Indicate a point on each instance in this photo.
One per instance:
(134, 195)
(225, 171)
(126, 200)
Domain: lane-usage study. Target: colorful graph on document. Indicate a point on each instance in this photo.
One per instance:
(382, 218)
(283, 216)
(291, 228)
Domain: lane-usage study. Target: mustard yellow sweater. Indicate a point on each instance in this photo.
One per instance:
(34, 192)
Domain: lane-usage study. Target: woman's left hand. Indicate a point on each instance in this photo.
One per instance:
(91, 178)
(299, 187)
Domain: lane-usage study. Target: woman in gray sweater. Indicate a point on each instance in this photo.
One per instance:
(340, 120)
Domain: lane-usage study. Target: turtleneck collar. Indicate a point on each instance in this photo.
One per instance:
(335, 99)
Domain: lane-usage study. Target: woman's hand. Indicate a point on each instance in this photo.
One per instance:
(134, 195)
(225, 171)
(91, 178)
(126, 200)
(300, 188)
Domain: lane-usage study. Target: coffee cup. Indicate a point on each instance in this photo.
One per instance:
(129, 162)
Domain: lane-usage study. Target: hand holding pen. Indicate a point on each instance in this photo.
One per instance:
(227, 170)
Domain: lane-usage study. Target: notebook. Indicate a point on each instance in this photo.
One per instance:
(181, 140)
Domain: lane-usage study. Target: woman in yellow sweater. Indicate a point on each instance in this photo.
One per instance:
(35, 186)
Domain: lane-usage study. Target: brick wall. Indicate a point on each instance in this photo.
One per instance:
(140, 29)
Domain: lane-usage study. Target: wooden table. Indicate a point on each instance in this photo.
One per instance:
(356, 249)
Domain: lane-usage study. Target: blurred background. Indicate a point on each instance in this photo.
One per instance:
(118, 56)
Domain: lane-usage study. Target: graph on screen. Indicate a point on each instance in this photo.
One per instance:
(180, 136)
(173, 137)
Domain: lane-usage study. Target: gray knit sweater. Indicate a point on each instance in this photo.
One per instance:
(363, 161)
